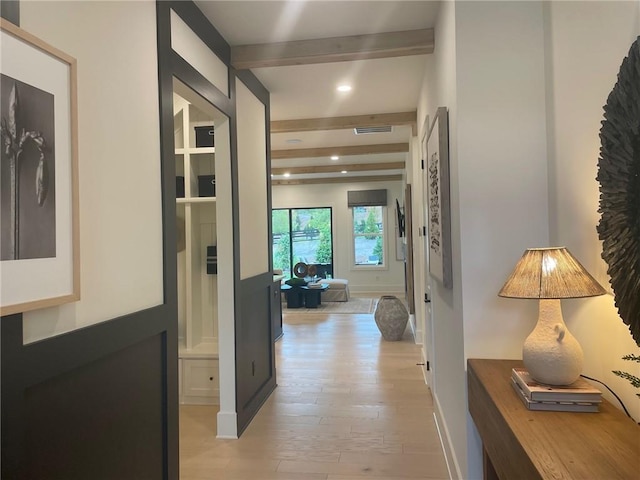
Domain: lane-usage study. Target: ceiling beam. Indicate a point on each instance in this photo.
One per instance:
(345, 123)
(335, 49)
(340, 151)
(340, 179)
(355, 167)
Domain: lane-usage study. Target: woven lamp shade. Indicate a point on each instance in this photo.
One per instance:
(550, 273)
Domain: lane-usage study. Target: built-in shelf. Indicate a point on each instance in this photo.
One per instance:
(196, 200)
(196, 150)
(197, 289)
(202, 350)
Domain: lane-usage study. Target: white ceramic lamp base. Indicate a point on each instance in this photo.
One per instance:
(550, 353)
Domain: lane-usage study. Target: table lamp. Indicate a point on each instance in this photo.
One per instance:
(550, 353)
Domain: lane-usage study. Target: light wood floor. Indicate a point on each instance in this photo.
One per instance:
(349, 406)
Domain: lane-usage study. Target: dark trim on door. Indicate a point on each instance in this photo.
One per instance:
(198, 83)
(192, 16)
(169, 251)
(261, 93)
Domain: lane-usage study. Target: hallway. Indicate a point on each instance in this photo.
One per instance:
(348, 406)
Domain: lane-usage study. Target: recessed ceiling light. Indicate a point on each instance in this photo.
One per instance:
(343, 171)
(344, 88)
(286, 174)
(293, 140)
(335, 157)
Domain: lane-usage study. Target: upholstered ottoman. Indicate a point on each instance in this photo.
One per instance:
(338, 290)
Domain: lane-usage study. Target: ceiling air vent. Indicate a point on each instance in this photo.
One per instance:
(367, 130)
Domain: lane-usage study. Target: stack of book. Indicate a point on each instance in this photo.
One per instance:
(315, 283)
(580, 396)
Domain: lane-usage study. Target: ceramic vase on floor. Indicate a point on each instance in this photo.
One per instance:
(391, 317)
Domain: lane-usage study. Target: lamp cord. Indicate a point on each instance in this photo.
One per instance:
(614, 394)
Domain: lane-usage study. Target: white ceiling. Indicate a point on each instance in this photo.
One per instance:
(309, 91)
(383, 85)
(247, 22)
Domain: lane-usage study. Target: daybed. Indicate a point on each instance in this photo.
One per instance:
(338, 290)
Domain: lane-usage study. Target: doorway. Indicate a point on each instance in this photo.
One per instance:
(204, 246)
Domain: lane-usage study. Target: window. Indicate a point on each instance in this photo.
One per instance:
(368, 235)
(302, 235)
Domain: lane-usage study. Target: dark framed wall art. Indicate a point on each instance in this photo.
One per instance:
(619, 178)
(439, 206)
(39, 234)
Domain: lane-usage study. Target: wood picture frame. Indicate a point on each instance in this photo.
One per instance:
(39, 224)
(439, 205)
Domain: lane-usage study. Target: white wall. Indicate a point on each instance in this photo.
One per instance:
(119, 157)
(525, 83)
(446, 305)
(502, 172)
(578, 57)
(252, 185)
(186, 43)
(390, 280)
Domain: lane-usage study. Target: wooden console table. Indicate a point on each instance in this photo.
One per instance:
(524, 444)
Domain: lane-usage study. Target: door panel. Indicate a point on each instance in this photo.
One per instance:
(427, 329)
(255, 356)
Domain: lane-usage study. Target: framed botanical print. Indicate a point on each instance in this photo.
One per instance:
(39, 240)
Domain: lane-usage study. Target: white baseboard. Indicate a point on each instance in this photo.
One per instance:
(414, 331)
(227, 425)
(417, 333)
(199, 400)
(445, 441)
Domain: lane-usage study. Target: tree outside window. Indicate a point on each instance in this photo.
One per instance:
(301, 235)
(368, 235)
(281, 240)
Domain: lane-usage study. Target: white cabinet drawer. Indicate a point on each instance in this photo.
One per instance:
(200, 381)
